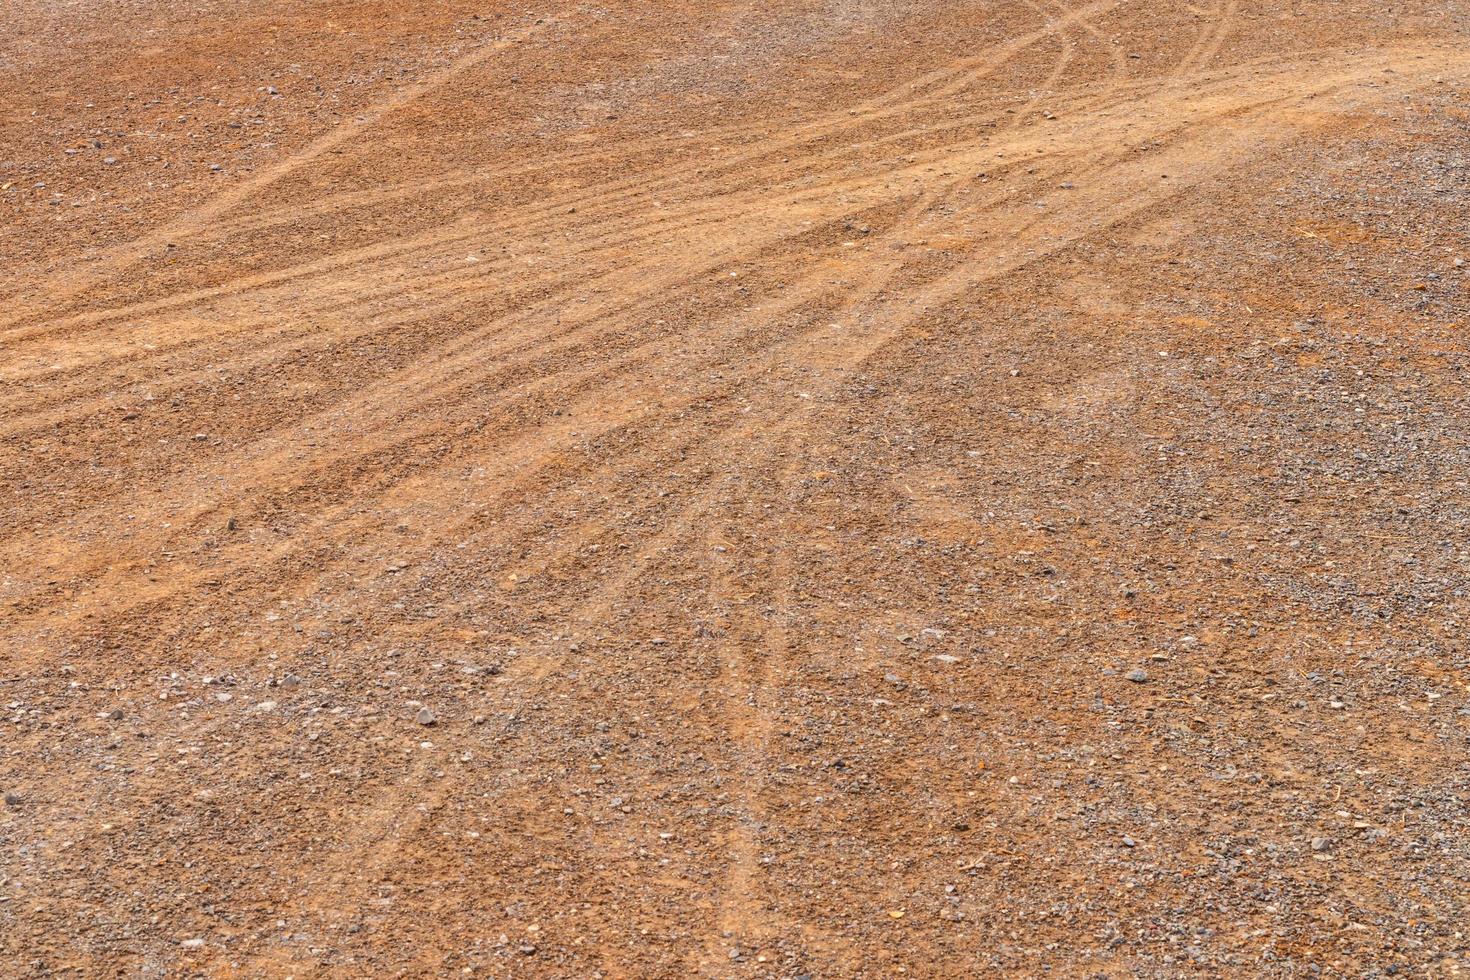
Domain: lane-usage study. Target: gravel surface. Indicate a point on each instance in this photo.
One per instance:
(830, 488)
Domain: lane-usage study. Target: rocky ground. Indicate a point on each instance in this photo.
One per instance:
(829, 488)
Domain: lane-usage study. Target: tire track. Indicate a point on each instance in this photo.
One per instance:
(960, 76)
(221, 203)
(357, 410)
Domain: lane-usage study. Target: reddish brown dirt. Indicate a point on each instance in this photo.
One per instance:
(768, 438)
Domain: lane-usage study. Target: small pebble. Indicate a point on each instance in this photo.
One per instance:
(1137, 675)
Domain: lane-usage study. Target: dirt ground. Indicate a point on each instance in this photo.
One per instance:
(818, 488)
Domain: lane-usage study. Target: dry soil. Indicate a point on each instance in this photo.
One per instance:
(759, 488)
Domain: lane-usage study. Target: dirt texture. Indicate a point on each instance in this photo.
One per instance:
(818, 488)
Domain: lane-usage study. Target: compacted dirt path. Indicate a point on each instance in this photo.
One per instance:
(831, 488)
